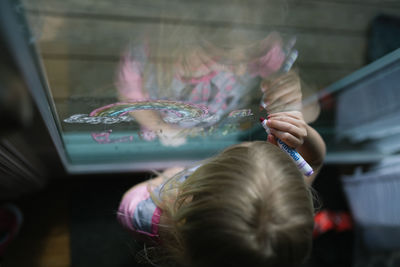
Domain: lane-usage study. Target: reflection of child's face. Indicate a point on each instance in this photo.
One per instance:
(202, 62)
(234, 59)
(230, 60)
(258, 58)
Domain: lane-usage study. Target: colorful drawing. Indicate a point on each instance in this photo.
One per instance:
(104, 138)
(240, 113)
(85, 118)
(174, 111)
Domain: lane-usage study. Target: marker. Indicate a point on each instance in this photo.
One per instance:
(298, 159)
(287, 65)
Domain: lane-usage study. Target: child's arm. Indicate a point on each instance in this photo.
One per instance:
(291, 128)
(130, 88)
(285, 93)
(282, 93)
(138, 223)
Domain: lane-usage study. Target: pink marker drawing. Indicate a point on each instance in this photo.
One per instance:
(298, 159)
(104, 138)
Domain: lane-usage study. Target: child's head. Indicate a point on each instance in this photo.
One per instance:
(248, 206)
(186, 39)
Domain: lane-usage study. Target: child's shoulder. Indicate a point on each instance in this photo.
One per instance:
(137, 211)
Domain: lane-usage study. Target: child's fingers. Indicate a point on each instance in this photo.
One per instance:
(268, 84)
(272, 139)
(298, 122)
(282, 97)
(290, 78)
(287, 138)
(265, 85)
(286, 103)
(289, 125)
(283, 93)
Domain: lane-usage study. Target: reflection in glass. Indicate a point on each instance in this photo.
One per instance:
(182, 79)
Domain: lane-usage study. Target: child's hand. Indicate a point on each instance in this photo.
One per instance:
(282, 93)
(288, 126)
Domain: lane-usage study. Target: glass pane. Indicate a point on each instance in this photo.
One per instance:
(139, 84)
(156, 83)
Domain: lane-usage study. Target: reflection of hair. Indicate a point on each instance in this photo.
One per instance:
(248, 206)
(184, 38)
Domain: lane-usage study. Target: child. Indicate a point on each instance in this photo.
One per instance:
(219, 67)
(248, 206)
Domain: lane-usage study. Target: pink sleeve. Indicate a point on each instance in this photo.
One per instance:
(130, 80)
(269, 63)
(128, 205)
(147, 215)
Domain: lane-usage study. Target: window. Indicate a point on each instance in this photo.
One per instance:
(138, 85)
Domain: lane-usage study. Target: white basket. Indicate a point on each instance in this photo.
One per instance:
(374, 199)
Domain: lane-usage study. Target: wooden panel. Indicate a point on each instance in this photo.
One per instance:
(339, 15)
(331, 49)
(69, 77)
(63, 36)
(321, 77)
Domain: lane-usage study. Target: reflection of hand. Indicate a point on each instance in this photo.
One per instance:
(289, 126)
(171, 136)
(174, 136)
(282, 93)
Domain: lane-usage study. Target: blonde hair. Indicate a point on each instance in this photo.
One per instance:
(248, 206)
(182, 39)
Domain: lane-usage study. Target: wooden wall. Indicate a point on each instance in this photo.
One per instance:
(81, 40)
